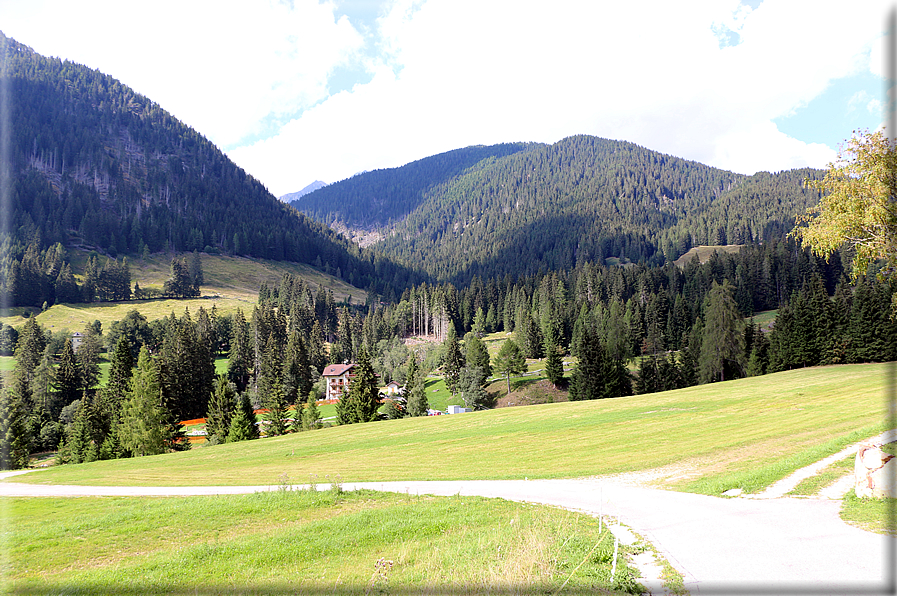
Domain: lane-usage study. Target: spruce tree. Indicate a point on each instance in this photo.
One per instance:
(587, 380)
(362, 401)
(239, 365)
(142, 413)
(68, 376)
(554, 364)
(722, 349)
(476, 355)
(452, 361)
(242, 424)
(415, 390)
(221, 410)
(310, 413)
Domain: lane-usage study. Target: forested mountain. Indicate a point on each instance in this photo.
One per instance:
(520, 208)
(95, 164)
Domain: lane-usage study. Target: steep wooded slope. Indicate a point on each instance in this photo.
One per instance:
(551, 206)
(95, 164)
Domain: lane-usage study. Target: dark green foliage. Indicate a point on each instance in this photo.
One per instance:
(415, 390)
(242, 424)
(222, 408)
(722, 350)
(361, 402)
(476, 355)
(135, 328)
(554, 364)
(143, 416)
(471, 384)
(296, 370)
(310, 414)
(452, 361)
(270, 388)
(180, 283)
(597, 375)
(187, 369)
(68, 376)
(239, 367)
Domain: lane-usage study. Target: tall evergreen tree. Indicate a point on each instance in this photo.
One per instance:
(452, 361)
(587, 380)
(415, 389)
(142, 413)
(554, 364)
(222, 407)
(363, 400)
(242, 424)
(722, 349)
(239, 366)
(68, 376)
(509, 361)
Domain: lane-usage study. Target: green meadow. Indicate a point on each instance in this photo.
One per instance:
(744, 434)
(289, 542)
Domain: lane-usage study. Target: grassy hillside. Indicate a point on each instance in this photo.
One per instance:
(230, 283)
(739, 431)
(704, 253)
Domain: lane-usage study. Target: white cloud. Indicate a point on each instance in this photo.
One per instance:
(222, 67)
(456, 73)
(451, 73)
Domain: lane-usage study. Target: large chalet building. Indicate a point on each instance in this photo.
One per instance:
(338, 377)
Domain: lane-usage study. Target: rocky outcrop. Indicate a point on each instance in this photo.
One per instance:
(874, 472)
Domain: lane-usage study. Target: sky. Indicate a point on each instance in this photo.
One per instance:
(304, 90)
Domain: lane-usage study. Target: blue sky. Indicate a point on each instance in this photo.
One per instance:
(302, 90)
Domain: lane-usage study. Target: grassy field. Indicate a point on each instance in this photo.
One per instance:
(873, 515)
(288, 542)
(230, 283)
(704, 253)
(739, 434)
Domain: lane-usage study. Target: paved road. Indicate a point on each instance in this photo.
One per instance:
(721, 546)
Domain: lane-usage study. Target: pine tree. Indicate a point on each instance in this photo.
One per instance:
(68, 376)
(221, 410)
(554, 364)
(89, 357)
(587, 380)
(452, 361)
(509, 361)
(270, 386)
(722, 349)
(310, 413)
(142, 413)
(472, 390)
(362, 401)
(239, 365)
(476, 355)
(242, 424)
(415, 390)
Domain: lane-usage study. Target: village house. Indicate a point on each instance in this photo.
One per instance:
(338, 377)
(392, 388)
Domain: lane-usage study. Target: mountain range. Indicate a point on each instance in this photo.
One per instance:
(96, 165)
(523, 207)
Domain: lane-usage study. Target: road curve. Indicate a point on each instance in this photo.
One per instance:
(721, 546)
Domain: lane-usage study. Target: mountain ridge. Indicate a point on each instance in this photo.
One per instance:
(533, 205)
(98, 165)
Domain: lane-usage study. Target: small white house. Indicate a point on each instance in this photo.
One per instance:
(458, 410)
(392, 388)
